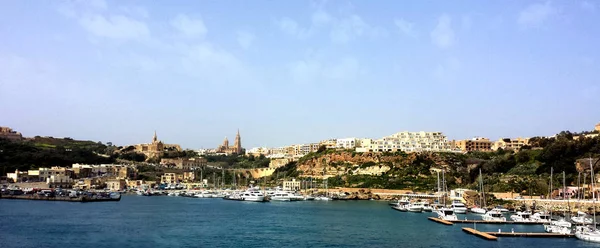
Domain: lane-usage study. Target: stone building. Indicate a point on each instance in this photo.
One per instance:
(291, 185)
(235, 149)
(116, 184)
(156, 148)
(184, 163)
(8, 133)
(475, 144)
(510, 144)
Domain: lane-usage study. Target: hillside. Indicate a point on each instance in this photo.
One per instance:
(526, 171)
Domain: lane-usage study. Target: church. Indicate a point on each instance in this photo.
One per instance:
(235, 149)
(156, 148)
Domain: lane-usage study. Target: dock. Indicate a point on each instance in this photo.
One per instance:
(59, 198)
(496, 222)
(438, 220)
(480, 234)
(532, 235)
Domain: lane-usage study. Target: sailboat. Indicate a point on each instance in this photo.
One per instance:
(590, 234)
(445, 213)
(326, 196)
(562, 225)
(481, 208)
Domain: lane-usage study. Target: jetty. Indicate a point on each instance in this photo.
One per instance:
(483, 235)
(438, 220)
(496, 222)
(60, 198)
(532, 235)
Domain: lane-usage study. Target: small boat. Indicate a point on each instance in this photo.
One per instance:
(253, 196)
(446, 214)
(582, 218)
(522, 217)
(281, 196)
(309, 198)
(401, 208)
(416, 207)
(501, 209)
(493, 215)
(478, 210)
(561, 226)
(459, 207)
(541, 217)
(427, 207)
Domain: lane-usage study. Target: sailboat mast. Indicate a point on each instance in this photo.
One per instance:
(593, 191)
(482, 190)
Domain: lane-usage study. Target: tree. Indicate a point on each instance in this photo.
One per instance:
(321, 149)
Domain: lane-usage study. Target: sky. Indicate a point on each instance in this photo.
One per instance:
(292, 72)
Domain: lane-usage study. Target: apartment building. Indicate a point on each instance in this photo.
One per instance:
(407, 142)
(510, 144)
(347, 143)
(475, 144)
(292, 185)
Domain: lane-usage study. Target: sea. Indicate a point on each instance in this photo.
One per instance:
(163, 221)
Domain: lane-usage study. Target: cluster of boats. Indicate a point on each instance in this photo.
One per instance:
(251, 194)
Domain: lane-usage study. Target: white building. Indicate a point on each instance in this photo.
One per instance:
(407, 142)
(347, 143)
(257, 151)
(291, 185)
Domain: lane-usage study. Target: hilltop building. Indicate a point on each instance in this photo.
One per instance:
(475, 144)
(9, 134)
(510, 144)
(407, 142)
(156, 148)
(235, 149)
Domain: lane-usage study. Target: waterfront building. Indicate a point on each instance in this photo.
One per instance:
(116, 184)
(475, 144)
(347, 143)
(510, 144)
(9, 134)
(59, 181)
(184, 163)
(156, 148)
(407, 142)
(235, 149)
(169, 178)
(292, 185)
(18, 176)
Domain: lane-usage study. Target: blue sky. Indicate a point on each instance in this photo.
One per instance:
(287, 72)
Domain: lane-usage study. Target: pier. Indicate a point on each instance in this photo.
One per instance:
(59, 198)
(496, 222)
(438, 220)
(480, 234)
(532, 235)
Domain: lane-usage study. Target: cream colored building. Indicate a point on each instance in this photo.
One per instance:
(407, 142)
(329, 144)
(257, 151)
(292, 185)
(169, 178)
(116, 184)
(347, 143)
(510, 144)
(475, 144)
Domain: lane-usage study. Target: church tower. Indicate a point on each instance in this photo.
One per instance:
(155, 138)
(238, 143)
(225, 143)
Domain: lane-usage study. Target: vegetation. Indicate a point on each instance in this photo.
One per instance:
(240, 161)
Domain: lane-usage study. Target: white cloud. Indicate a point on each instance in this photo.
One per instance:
(316, 71)
(346, 29)
(245, 39)
(447, 70)
(291, 27)
(535, 15)
(341, 30)
(406, 27)
(443, 35)
(114, 27)
(189, 26)
(588, 6)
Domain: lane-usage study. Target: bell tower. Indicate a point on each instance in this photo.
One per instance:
(238, 143)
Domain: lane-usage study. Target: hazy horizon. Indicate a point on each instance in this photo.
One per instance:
(297, 72)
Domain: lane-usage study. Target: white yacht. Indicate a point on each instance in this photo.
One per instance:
(427, 207)
(493, 215)
(446, 214)
(254, 196)
(522, 217)
(401, 208)
(459, 207)
(501, 209)
(416, 207)
(322, 198)
(560, 226)
(296, 196)
(582, 218)
(281, 196)
(478, 210)
(541, 217)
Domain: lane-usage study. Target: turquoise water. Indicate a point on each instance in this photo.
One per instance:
(138, 221)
